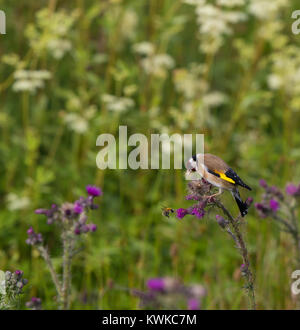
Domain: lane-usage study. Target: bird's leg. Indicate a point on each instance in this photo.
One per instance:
(217, 194)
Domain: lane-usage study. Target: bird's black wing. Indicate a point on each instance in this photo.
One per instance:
(232, 175)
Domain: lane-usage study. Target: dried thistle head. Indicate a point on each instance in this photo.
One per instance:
(198, 187)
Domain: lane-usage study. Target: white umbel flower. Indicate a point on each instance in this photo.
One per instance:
(117, 104)
(30, 81)
(144, 48)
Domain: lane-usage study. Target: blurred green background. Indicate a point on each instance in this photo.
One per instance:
(71, 70)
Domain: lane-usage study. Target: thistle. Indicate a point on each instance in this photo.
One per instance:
(170, 293)
(198, 191)
(11, 288)
(71, 219)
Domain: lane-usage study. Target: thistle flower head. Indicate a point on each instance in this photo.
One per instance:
(262, 209)
(77, 208)
(193, 304)
(167, 291)
(33, 237)
(263, 183)
(92, 227)
(67, 211)
(34, 303)
(198, 211)
(52, 214)
(14, 282)
(181, 213)
(93, 191)
(249, 201)
(271, 199)
(274, 205)
(292, 189)
(74, 215)
(156, 284)
(197, 191)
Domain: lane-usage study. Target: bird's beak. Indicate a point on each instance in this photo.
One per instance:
(190, 166)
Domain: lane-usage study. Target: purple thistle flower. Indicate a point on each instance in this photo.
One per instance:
(263, 183)
(78, 208)
(274, 205)
(292, 189)
(193, 304)
(82, 228)
(189, 197)
(259, 206)
(19, 273)
(87, 202)
(51, 214)
(67, 210)
(193, 197)
(33, 237)
(276, 192)
(93, 191)
(262, 209)
(181, 213)
(198, 212)
(30, 231)
(85, 229)
(156, 284)
(77, 231)
(35, 299)
(243, 267)
(34, 303)
(92, 227)
(40, 211)
(249, 201)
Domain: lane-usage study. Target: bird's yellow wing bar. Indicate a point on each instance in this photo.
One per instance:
(224, 177)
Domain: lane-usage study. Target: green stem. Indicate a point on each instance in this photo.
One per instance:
(244, 252)
(46, 256)
(67, 258)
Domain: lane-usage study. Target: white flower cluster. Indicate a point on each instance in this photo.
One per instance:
(59, 47)
(117, 104)
(50, 32)
(286, 74)
(214, 99)
(231, 3)
(268, 13)
(198, 100)
(265, 9)
(215, 21)
(144, 48)
(153, 63)
(16, 202)
(156, 122)
(30, 81)
(79, 121)
(128, 24)
(190, 82)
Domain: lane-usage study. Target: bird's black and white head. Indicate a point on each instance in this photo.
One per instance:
(192, 168)
(191, 165)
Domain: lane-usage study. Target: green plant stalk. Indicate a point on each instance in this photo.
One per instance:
(25, 112)
(67, 260)
(244, 252)
(44, 252)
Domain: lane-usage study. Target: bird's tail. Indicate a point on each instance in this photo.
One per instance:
(243, 207)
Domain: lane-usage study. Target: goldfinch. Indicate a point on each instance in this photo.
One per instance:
(214, 170)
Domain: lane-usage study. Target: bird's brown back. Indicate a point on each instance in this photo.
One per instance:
(213, 162)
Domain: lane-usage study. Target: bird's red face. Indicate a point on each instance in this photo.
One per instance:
(191, 165)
